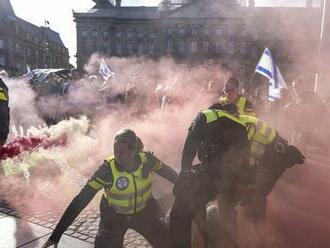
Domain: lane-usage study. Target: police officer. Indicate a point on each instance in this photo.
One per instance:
(220, 141)
(127, 179)
(4, 113)
(271, 155)
(231, 95)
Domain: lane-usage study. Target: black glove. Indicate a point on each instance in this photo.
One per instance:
(181, 188)
(293, 156)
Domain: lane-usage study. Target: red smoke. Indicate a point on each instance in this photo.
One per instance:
(298, 208)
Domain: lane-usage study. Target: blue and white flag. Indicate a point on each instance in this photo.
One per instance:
(105, 71)
(29, 71)
(268, 68)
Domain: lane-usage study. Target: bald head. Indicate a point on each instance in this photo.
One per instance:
(231, 89)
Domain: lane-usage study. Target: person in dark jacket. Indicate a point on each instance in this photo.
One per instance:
(4, 113)
(220, 141)
(127, 179)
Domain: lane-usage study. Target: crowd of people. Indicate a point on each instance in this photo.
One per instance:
(241, 153)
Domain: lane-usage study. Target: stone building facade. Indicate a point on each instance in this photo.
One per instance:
(22, 43)
(201, 30)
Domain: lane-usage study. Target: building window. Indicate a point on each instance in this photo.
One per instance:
(169, 46)
(194, 31)
(105, 49)
(84, 33)
(181, 31)
(242, 48)
(140, 49)
(17, 48)
(129, 35)
(118, 35)
(140, 34)
(230, 48)
(28, 51)
(130, 48)
(170, 31)
(2, 44)
(206, 46)
(206, 31)
(2, 60)
(193, 46)
(151, 35)
(37, 54)
(218, 46)
(119, 49)
(151, 49)
(94, 34)
(106, 34)
(181, 47)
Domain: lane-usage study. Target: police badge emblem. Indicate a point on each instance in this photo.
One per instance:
(122, 183)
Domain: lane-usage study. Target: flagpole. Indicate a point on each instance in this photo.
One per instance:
(321, 45)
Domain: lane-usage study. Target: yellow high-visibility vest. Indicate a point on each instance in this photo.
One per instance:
(3, 95)
(215, 114)
(259, 134)
(240, 104)
(130, 192)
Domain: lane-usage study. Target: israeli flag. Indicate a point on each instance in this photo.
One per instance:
(29, 71)
(268, 68)
(105, 71)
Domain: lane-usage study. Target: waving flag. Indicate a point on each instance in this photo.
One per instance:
(29, 71)
(268, 68)
(105, 71)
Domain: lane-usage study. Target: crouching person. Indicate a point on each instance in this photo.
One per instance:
(128, 202)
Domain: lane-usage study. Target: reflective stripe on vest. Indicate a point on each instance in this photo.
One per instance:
(259, 134)
(241, 104)
(3, 95)
(263, 133)
(129, 193)
(214, 114)
(98, 183)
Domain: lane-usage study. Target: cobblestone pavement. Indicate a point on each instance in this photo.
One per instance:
(83, 228)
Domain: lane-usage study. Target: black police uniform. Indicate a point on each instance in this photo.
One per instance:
(223, 149)
(113, 225)
(4, 111)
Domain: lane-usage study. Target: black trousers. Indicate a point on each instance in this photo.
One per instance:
(198, 192)
(113, 227)
(267, 175)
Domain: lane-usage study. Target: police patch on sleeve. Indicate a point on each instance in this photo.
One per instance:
(122, 183)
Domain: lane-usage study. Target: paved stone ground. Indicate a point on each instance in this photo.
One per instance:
(85, 225)
(83, 228)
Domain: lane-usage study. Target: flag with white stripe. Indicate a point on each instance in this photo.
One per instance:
(268, 68)
(105, 71)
